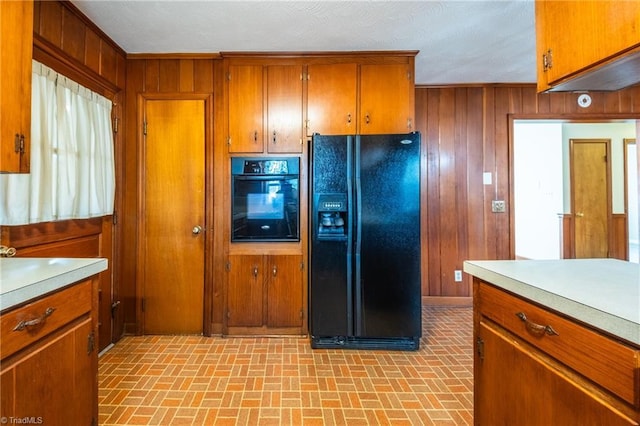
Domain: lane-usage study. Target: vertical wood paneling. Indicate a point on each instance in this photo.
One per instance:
(169, 76)
(72, 39)
(92, 51)
(73, 35)
(50, 22)
(204, 76)
(474, 209)
(185, 72)
(155, 76)
(465, 133)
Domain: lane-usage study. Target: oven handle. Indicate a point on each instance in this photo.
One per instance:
(264, 177)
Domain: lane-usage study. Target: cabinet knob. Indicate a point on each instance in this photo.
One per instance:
(255, 271)
(349, 118)
(275, 270)
(367, 119)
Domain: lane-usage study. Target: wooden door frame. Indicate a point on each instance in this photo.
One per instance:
(625, 145)
(569, 118)
(610, 236)
(208, 203)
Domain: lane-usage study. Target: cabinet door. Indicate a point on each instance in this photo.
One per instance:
(331, 99)
(284, 290)
(387, 99)
(581, 34)
(16, 33)
(245, 291)
(514, 384)
(59, 373)
(284, 108)
(245, 83)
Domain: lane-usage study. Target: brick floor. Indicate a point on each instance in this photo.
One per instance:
(192, 380)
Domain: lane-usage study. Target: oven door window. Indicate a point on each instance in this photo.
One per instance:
(265, 208)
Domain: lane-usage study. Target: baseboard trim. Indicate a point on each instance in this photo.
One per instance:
(447, 301)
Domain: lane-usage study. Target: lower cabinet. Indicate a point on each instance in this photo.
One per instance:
(518, 381)
(265, 294)
(49, 366)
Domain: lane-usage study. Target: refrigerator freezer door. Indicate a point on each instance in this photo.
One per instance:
(330, 290)
(387, 293)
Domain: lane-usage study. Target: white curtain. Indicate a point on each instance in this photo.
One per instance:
(72, 160)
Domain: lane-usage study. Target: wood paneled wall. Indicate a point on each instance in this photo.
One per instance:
(174, 77)
(66, 41)
(73, 42)
(466, 131)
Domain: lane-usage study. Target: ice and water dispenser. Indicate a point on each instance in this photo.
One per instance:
(332, 216)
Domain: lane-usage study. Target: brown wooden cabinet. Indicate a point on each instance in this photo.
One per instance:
(350, 98)
(543, 368)
(387, 100)
(587, 45)
(264, 294)
(265, 108)
(332, 99)
(16, 33)
(49, 363)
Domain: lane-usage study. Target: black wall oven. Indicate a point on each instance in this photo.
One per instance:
(265, 203)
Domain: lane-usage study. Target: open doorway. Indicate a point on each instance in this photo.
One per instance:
(541, 183)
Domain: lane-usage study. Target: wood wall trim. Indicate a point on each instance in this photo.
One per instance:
(447, 301)
(144, 56)
(47, 232)
(48, 55)
(321, 54)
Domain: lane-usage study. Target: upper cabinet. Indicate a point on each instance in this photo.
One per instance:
(276, 102)
(332, 91)
(587, 45)
(350, 98)
(387, 101)
(265, 108)
(16, 33)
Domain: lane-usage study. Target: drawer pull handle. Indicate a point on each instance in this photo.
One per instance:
(34, 322)
(537, 329)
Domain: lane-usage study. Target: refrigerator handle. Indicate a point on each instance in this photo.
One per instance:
(351, 216)
(357, 240)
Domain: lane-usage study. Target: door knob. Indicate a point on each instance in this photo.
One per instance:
(196, 230)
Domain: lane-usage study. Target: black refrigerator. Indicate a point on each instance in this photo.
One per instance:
(364, 275)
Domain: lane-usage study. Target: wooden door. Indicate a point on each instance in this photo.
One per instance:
(245, 291)
(284, 290)
(331, 99)
(387, 99)
(172, 228)
(284, 108)
(245, 108)
(590, 196)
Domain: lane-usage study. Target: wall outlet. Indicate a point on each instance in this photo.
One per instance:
(498, 206)
(457, 275)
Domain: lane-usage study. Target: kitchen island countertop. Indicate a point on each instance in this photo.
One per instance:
(603, 293)
(23, 279)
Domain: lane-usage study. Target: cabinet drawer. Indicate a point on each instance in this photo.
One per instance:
(606, 362)
(27, 324)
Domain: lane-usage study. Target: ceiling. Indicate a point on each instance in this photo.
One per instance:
(460, 42)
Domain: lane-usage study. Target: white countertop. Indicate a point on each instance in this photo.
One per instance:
(24, 278)
(604, 293)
